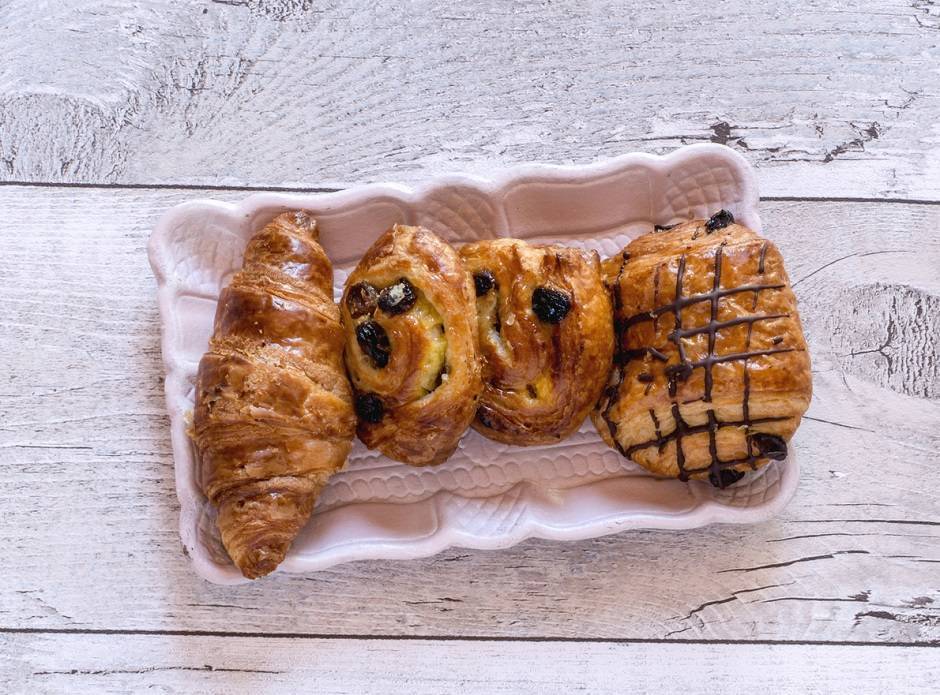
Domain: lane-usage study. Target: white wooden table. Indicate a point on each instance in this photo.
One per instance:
(112, 112)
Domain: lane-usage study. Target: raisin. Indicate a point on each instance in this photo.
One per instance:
(645, 378)
(725, 478)
(397, 298)
(550, 305)
(483, 282)
(373, 340)
(770, 445)
(719, 220)
(369, 407)
(361, 299)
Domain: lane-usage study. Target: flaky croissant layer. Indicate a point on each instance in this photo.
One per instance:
(274, 415)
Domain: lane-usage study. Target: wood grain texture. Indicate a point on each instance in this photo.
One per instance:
(72, 663)
(90, 515)
(825, 99)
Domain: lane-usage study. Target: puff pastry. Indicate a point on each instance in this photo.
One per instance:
(411, 348)
(274, 413)
(546, 338)
(712, 373)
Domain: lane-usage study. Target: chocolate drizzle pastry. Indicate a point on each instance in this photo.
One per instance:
(719, 374)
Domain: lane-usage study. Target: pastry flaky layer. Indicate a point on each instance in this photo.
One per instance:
(274, 412)
(411, 346)
(711, 371)
(546, 338)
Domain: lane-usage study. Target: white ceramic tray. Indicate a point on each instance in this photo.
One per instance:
(487, 495)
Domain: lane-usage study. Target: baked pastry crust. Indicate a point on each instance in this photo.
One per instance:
(712, 374)
(274, 415)
(541, 374)
(411, 346)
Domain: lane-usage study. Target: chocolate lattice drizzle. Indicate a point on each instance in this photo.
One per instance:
(682, 370)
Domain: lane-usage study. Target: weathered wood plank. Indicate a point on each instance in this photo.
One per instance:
(90, 516)
(96, 663)
(825, 99)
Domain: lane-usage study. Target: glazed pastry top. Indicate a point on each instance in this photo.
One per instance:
(712, 371)
(411, 346)
(546, 338)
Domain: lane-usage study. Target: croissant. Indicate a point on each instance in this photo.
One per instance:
(712, 373)
(546, 338)
(274, 414)
(411, 347)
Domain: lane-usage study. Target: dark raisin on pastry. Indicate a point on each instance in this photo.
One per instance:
(373, 340)
(719, 220)
(369, 407)
(397, 298)
(483, 282)
(770, 445)
(726, 478)
(550, 305)
(361, 299)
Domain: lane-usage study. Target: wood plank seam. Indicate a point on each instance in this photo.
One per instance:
(327, 189)
(457, 638)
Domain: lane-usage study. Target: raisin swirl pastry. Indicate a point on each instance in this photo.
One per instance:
(712, 374)
(411, 346)
(274, 413)
(546, 338)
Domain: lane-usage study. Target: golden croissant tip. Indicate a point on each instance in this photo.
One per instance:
(305, 221)
(262, 560)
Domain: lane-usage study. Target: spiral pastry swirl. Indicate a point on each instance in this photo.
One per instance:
(411, 348)
(546, 338)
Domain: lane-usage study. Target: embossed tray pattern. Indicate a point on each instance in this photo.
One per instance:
(488, 495)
